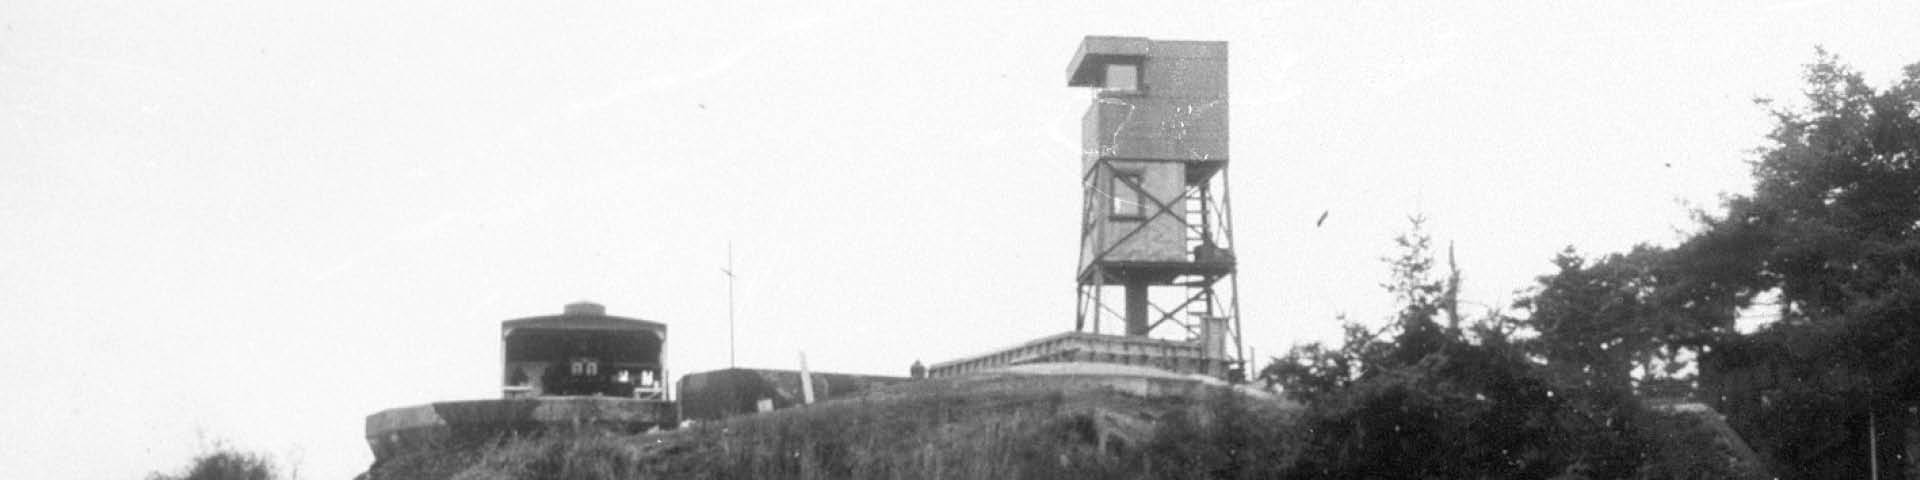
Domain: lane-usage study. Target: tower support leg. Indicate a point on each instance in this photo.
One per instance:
(1137, 325)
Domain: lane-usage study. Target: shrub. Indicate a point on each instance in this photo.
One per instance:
(1226, 437)
(225, 463)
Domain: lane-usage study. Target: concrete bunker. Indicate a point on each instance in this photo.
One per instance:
(581, 370)
(583, 352)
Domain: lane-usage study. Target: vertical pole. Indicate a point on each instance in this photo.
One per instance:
(666, 387)
(806, 379)
(729, 272)
(1080, 309)
(1095, 213)
(506, 369)
(1136, 307)
(1099, 285)
(1873, 443)
(1253, 359)
(1226, 230)
(1080, 266)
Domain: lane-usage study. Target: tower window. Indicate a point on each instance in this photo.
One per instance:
(1128, 202)
(1123, 78)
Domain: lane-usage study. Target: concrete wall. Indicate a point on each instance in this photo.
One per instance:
(452, 424)
(737, 391)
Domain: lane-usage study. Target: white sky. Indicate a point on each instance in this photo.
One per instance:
(263, 222)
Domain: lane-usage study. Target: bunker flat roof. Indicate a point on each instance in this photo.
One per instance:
(583, 322)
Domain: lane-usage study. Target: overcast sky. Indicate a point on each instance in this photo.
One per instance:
(260, 223)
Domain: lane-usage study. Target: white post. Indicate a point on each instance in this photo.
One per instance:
(806, 379)
(1873, 442)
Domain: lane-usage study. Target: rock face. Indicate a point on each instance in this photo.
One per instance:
(431, 426)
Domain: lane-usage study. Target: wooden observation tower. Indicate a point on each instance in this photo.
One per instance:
(1156, 235)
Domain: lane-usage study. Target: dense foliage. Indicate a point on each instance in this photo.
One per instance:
(1827, 246)
(1423, 400)
(1831, 233)
(1224, 438)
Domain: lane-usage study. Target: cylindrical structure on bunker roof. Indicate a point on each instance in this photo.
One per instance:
(583, 352)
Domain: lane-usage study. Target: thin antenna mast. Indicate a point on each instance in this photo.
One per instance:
(729, 272)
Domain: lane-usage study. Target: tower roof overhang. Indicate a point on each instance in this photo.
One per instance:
(1096, 52)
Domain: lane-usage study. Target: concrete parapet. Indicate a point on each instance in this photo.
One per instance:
(1073, 378)
(1185, 357)
(424, 427)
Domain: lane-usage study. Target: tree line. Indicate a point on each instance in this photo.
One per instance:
(1572, 382)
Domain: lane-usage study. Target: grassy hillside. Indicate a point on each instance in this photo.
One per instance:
(995, 426)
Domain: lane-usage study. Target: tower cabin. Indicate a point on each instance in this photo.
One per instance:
(583, 352)
(1154, 154)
